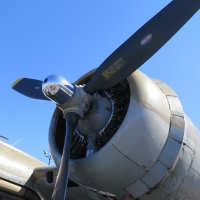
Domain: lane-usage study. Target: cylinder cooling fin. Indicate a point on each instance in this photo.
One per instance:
(116, 101)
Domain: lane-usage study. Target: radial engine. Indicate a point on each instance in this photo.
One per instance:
(134, 139)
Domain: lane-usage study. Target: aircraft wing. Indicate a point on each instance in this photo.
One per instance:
(44, 178)
(24, 177)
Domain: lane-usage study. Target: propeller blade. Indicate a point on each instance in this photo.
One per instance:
(29, 87)
(60, 188)
(142, 44)
(4, 137)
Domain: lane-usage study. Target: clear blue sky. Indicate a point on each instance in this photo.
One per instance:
(43, 37)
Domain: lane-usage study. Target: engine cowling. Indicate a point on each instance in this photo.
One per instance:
(143, 145)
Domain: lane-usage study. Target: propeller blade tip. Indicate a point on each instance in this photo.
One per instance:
(16, 82)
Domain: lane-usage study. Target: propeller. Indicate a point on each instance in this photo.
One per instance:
(29, 87)
(74, 101)
(60, 188)
(142, 45)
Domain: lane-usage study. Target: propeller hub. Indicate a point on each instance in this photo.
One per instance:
(57, 89)
(97, 117)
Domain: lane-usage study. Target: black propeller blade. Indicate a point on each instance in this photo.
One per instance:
(142, 45)
(29, 87)
(60, 188)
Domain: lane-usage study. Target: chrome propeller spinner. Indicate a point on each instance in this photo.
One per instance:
(68, 97)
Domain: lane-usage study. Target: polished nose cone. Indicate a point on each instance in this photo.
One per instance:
(57, 89)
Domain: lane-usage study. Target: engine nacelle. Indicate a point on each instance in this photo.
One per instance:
(151, 153)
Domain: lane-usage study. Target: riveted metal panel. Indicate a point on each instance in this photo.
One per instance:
(170, 152)
(175, 106)
(190, 187)
(143, 143)
(197, 136)
(155, 175)
(137, 189)
(177, 128)
(165, 88)
(145, 128)
(196, 161)
(189, 137)
(172, 183)
(106, 170)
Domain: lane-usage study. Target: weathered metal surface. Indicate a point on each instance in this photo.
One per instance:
(155, 174)
(170, 152)
(179, 172)
(175, 106)
(182, 183)
(146, 126)
(171, 184)
(196, 161)
(177, 128)
(189, 188)
(190, 135)
(151, 152)
(137, 189)
(165, 88)
(107, 170)
(123, 156)
(17, 163)
(16, 168)
(133, 150)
